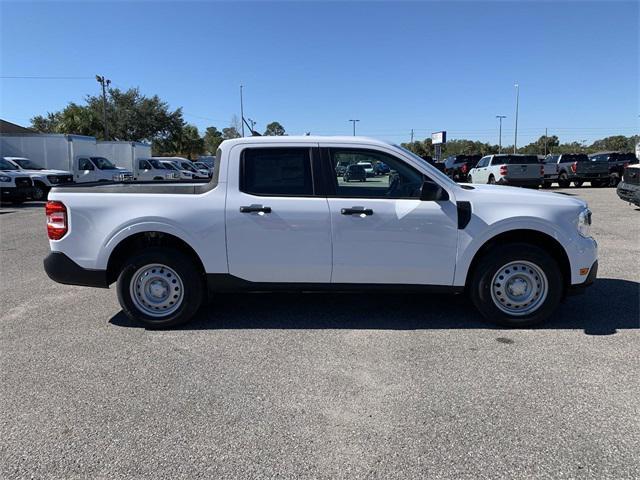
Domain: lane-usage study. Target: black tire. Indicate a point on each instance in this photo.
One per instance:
(563, 180)
(495, 259)
(39, 191)
(546, 184)
(469, 179)
(599, 183)
(492, 180)
(578, 183)
(189, 274)
(614, 179)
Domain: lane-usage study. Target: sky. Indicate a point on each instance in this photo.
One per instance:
(313, 66)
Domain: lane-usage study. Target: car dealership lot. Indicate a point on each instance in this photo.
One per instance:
(319, 385)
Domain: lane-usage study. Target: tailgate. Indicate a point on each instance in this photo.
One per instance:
(591, 167)
(523, 171)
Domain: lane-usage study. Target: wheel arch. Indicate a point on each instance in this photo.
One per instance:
(141, 240)
(529, 236)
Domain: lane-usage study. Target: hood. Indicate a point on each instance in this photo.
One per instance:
(518, 195)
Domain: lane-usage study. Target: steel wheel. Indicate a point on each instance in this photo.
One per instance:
(38, 193)
(519, 288)
(156, 290)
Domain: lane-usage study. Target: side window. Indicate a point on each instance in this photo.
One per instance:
(276, 171)
(484, 161)
(144, 165)
(359, 179)
(84, 164)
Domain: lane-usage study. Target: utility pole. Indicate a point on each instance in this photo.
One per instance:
(500, 117)
(515, 140)
(241, 112)
(354, 126)
(545, 141)
(105, 83)
(412, 135)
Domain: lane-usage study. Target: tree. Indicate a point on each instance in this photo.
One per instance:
(212, 139)
(538, 147)
(131, 116)
(184, 141)
(274, 129)
(230, 132)
(616, 142)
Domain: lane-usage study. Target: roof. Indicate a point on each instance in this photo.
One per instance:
(8, 127)
(306, 139)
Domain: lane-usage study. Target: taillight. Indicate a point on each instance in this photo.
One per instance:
(503, 170)
(574, 166)
(56, 220)
(463, 169)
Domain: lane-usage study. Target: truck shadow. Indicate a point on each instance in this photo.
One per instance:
(608, 306)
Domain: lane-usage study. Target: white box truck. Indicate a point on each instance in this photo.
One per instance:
(136, 157)
(74, 153)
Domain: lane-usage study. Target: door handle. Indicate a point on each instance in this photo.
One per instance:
(356, 211)
(255, 209)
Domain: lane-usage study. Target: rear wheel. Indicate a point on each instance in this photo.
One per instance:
(614, 179)
(470, 179)
(39, 191)
(563, 180)
(492, 180)
(160, 287)
(599, 183)
(546, 184)
(578, 183)
(516, 285)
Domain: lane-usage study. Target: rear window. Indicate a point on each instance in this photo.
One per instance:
(276, 171)
(622, 157)
(515, 160)
(575, 157)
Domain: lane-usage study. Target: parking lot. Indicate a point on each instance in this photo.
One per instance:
(319, 385)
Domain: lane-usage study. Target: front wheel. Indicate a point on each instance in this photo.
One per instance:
(160, 287)
(563, 180)
(470, 179)
(39, 192)
(492, 180)
(516, 285)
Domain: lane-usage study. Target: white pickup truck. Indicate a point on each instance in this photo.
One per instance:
(275, 215)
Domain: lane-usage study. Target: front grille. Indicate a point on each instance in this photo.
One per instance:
(65, 178)
(632, 176)
(23, 182)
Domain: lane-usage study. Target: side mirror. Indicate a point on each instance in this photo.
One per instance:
(432, 192)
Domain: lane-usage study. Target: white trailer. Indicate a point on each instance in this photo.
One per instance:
(74, 153)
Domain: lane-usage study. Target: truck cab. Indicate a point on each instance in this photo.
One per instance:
(99, 169)
(43, 179)
(150, 169)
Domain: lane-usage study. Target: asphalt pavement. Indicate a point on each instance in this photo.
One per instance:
(319, 385)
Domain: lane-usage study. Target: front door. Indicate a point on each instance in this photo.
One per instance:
(278, 230)
(86, 171)
(382, 232)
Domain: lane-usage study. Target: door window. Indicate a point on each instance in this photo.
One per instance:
(276, 172)
(85, 164)
(484, 161)
(402, 180)
(144, 165)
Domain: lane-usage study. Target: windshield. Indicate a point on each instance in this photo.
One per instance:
(5, 165)
(28, 164)
(170, 166)
(157, 164)
(187, 166)
(433, 172)
(103, 163)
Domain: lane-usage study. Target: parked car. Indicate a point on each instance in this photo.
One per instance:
(41, 178)
(517, 253)
(208, 160)
(190, 167)
(381, 169)
(368, 168)
(341, 168)
(174, 165)
(355, 172)
(508, 169)
(15, 186)
(203, 168)
(457, 167)
(150, 169)
(629, 188)
(578, 168)
(617, 162)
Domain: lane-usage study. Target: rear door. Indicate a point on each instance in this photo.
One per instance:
(382, 232)
(278, 226)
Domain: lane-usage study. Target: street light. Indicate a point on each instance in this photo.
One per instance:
(105, 83)
(515, 140)
(354, 126)
(500, 117)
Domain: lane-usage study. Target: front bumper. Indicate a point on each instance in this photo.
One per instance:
(629, 193)
(62, 269)
(15, 193)
(580, 288)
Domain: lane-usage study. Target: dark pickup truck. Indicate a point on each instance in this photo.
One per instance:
(457, 166)
(579, 168)
(617, 162)
(629, 188)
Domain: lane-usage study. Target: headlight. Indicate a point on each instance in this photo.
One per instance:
(584, 223)
(5, 179)
(53, 179)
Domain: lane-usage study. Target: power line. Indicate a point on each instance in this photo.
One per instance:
(38, 77)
